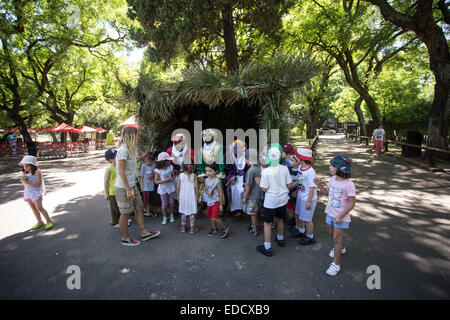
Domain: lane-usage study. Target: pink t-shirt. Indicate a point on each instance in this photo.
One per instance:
(338, 194)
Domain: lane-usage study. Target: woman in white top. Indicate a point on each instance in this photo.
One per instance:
(127, 194)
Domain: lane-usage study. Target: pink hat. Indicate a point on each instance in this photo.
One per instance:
(305, 153)
(164, 156)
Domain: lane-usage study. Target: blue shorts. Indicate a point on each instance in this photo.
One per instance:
(330, 221)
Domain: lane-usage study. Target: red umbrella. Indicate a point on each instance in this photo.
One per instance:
(46, 129)
(87, 129)
(64, 128)
(130, 122)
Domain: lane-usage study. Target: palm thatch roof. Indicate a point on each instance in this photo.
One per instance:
(256, 96)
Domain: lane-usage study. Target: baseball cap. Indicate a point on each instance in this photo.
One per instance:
(304, 153)
(342, 163)
(110, 154)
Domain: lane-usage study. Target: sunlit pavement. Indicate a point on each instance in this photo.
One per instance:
(400, 224)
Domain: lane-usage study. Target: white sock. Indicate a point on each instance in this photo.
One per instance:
(280, 237)
(302, 230)
(310, 236)
(267, 245)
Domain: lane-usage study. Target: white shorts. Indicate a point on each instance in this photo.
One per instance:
(303, 214)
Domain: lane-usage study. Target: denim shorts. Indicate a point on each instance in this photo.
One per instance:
(330, 221)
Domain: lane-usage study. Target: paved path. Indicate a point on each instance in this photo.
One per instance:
(401, 223)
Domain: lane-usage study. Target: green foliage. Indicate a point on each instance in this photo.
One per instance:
(195, 29)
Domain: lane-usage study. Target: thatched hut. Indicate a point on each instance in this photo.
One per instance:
(256, 96)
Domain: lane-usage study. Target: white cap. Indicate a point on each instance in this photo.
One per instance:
(29, 160)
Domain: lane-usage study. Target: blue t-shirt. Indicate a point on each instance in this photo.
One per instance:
(148, 184)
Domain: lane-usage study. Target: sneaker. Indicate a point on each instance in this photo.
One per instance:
(129, 222)
(183, 229)
(223, 233)
(172, 219)
(130, 242)
(331, 254)
(280, 243)
(213, 232)
(151, 235)
(37, 226)
(49, 225)
(193, 230)
(164, 220)
(298, 234)
(306, 241)
(116, 226)
(250, 228)
(254, 233)
(261, 249)
(333, 269)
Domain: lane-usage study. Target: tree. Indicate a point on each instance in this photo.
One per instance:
(34, 37)
(229, 32)
(341, 30)
(429, 20)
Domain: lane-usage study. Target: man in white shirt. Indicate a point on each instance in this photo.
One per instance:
(275, 182)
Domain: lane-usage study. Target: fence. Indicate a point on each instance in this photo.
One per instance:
(431, 151)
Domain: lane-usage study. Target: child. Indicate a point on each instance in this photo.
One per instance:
(253, 193)
(275, 182)
(34, 189)
(341, 200)
(147, 181)
(164, 177)
(307, 196)
(215, 199)
(109, 181)
(378, 138)
(187, 193)
(292, 163)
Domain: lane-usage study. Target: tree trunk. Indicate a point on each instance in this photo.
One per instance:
(31, 145)
(440, 109)
(360, 114)
(231, 52)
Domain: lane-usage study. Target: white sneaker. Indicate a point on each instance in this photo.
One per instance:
(164, 220)
(172, 219)
(333, 269)
(331, 254)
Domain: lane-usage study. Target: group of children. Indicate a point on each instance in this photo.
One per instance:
(280, 182)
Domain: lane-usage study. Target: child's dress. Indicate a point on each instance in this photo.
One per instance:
(188, 198)
(164, 174)
(32, 194)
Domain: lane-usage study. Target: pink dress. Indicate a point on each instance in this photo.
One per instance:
(188, 199)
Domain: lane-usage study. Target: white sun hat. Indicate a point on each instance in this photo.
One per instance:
(29, 160)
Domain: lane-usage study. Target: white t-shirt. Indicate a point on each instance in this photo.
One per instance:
(130, 167)
(167, 187)
(275, 180)
(148, 184)
(378, 134)
(305, 182)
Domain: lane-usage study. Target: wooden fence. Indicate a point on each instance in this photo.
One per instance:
(431, 154)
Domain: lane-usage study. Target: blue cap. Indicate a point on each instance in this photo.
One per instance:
(110, 154)
(342, 163)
